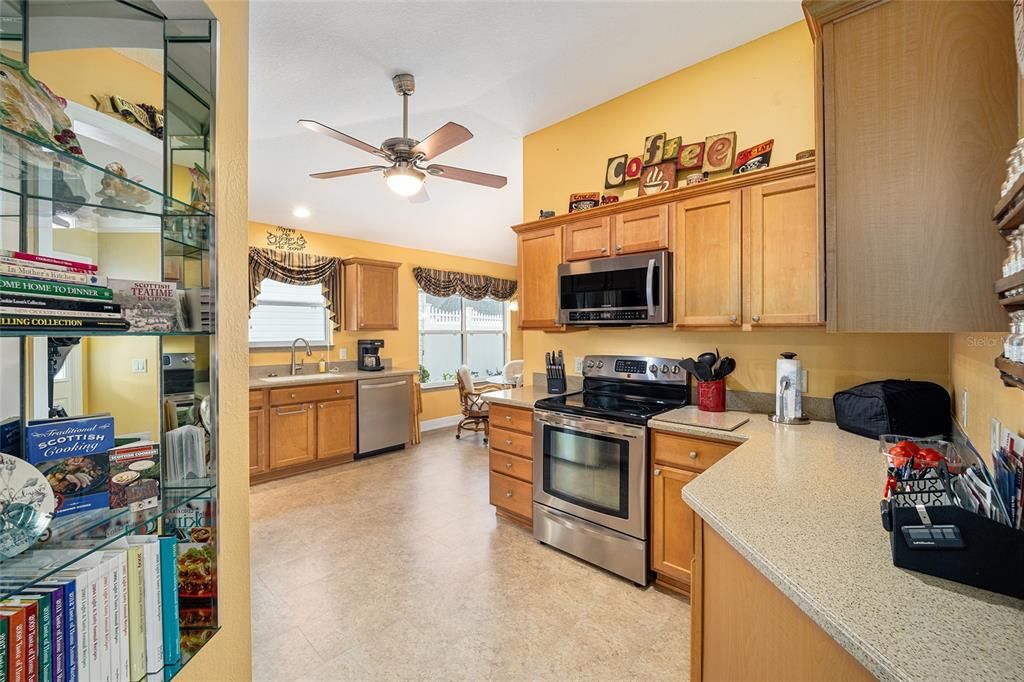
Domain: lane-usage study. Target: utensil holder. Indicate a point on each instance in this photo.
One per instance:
(556, 385)
(711, 395)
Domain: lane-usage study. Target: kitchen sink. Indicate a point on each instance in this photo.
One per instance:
(327, 376)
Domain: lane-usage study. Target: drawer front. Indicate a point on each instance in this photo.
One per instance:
(512, 495)
(307, 394)
(256, 400)
(512, 441)
(514, 418)
(513, 466)
(696, 454)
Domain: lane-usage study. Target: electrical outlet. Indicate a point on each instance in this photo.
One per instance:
(139, 366)
(803, 381)
(343, 353)
(579, 365)
(963, 408)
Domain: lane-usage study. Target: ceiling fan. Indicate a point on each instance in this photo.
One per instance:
(405, 155)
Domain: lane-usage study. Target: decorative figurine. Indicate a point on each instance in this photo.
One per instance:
(27, 505)
(546, 214)
(805, 154)
(609, 199)
(144, 116)
(200, 196)
(122, 194)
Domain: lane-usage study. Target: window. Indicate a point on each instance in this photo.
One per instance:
(455, 332)
(286, 311)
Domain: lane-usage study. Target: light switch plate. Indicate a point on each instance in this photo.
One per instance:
(579, 365)
(139, 366)
(343, 353)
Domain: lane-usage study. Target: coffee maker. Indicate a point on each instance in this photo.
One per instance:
(369, 354)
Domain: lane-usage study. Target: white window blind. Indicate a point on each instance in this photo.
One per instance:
(286, 311)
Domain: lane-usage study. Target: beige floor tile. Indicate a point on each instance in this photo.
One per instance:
(396, 568)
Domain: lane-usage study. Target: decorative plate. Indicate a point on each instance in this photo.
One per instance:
(27, 504)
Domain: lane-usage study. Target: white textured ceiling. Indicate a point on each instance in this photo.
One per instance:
(502, 69)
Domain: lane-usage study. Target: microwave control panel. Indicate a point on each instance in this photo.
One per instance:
(607, 315)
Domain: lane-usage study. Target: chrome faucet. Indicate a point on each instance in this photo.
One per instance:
(299, 366)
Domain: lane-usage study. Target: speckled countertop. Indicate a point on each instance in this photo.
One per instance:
(800, 503)
(312, 379)
(518, 397)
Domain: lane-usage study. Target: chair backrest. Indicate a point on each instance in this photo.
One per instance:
(514, 370)
(465, 380)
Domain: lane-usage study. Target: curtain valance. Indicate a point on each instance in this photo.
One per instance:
(292, 267)
(473, 287)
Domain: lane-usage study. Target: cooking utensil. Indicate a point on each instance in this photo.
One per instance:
(725, 367)
(708, 359)
(690, 365)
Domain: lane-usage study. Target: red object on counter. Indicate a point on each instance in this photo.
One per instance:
(711, 396)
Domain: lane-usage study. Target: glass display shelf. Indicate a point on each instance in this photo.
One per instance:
(192, 641)
(178, 244)
(65, 332)
(72, 538)
(40, 171)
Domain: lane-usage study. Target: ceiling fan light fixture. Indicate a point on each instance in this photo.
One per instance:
(404, 180)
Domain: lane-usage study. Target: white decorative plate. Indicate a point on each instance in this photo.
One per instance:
(27, 504)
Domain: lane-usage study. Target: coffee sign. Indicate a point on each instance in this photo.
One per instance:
(286, 239)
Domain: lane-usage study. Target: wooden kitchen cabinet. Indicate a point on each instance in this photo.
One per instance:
(336, 429)
(641, 229)
(292, 434)
(708, 260)
(910, 241)
(785, 254)
(511, 463)
(671, 526)
(588, 239)
(540, 254)
(259, 461)
(371, 294)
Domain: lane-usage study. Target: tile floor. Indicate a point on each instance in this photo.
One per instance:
(396, 568)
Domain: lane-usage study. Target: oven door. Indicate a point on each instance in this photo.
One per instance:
(623, 290)
(593, 469)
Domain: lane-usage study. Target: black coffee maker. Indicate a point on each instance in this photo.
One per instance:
(369, 354)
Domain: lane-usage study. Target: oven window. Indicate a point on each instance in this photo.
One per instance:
(612, 289)
(588, 470)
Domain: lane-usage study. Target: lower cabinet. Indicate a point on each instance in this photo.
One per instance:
(300, 428)
(511, 459)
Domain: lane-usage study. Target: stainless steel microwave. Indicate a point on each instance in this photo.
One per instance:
(624, 290)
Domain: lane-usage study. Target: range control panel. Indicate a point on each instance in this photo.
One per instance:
(635, 368)
(631, 366)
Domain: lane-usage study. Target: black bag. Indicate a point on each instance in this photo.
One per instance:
(902, 407)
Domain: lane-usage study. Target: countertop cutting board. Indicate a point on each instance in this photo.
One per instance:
(722, 421)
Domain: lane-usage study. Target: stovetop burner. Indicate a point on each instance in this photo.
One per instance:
(625, 389)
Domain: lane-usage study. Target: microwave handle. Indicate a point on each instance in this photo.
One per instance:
(650, 288)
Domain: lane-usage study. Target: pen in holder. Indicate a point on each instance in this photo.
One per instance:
(555, 367)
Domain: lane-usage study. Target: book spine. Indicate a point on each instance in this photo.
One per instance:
(49, 260)
(31, 642)
(41, 312)
(27, 323)
(121, 623)
(57, 304)
(60, 635)
(83, 593)
(136, 614)
(20, 285)
(95, 667)
(44, 266)
(71, 637)
(65, 276)
(154, 611)
(18, 647)
(169, 595)
(106, 616)
(5, 627)
(44, 634)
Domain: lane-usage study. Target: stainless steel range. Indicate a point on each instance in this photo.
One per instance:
(590, 460)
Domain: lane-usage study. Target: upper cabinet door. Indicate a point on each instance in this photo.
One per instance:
(785, 254)
(588, 239)
(642, 229)
(540, 254)
(371, 294)
(708, 261)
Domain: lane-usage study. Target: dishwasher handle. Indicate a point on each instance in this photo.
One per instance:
(392, 384)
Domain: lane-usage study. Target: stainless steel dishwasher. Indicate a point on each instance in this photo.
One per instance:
(383, 406)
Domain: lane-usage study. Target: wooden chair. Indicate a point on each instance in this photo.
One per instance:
(475, 415)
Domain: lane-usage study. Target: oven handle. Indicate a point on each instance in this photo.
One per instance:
(590, 425)
(650, 288)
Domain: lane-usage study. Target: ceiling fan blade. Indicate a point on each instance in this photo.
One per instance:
(463, 175)
(448, 136)
(420, 197)
(327, 175)
(341, 137)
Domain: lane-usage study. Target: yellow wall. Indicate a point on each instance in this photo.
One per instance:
(76, 75)
(402, 346)
(762, 90)
(228, 656)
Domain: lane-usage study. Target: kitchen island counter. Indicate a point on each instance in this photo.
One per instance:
(283, 380)
(800, 504)
(524, 397)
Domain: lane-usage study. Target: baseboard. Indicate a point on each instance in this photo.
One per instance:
(440, 423)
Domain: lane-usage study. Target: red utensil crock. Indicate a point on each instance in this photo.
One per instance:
(711, 396)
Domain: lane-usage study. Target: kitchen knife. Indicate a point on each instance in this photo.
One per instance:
(547, 364)
(561, 365)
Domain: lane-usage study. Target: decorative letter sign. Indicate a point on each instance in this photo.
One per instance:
(654, 147)
(615, 173)
(719, 152)
(691, 156)
(633, 168)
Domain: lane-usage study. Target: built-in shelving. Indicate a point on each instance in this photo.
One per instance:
(1009, 215)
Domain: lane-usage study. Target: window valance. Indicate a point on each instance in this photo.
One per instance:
(292, 267)
(474, 287)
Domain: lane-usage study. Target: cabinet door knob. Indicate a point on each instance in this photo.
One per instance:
(291, 395)
(618, 248)
(508, 417)
(657, 472)
(508, 441)
(508, 465)
(323, 405)
(693, 454)
(508, 493)
(338, 391)
(732, 318)
(604, 249)
(756, 318)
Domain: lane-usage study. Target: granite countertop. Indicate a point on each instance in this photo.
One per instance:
(800, 503)
(525, 396)
(329, 377)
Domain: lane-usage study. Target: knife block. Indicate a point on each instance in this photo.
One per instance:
(556, 385)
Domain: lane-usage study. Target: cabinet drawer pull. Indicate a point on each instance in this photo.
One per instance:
(508, 465)
(732, 318)
(693, 454)
(338, 391)
(508, 417)
(756, 318)
(657, 472)
(291, 395)
(301, 410)
(604, 249)
(508, 441)
(508, 493)
(323, 405)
